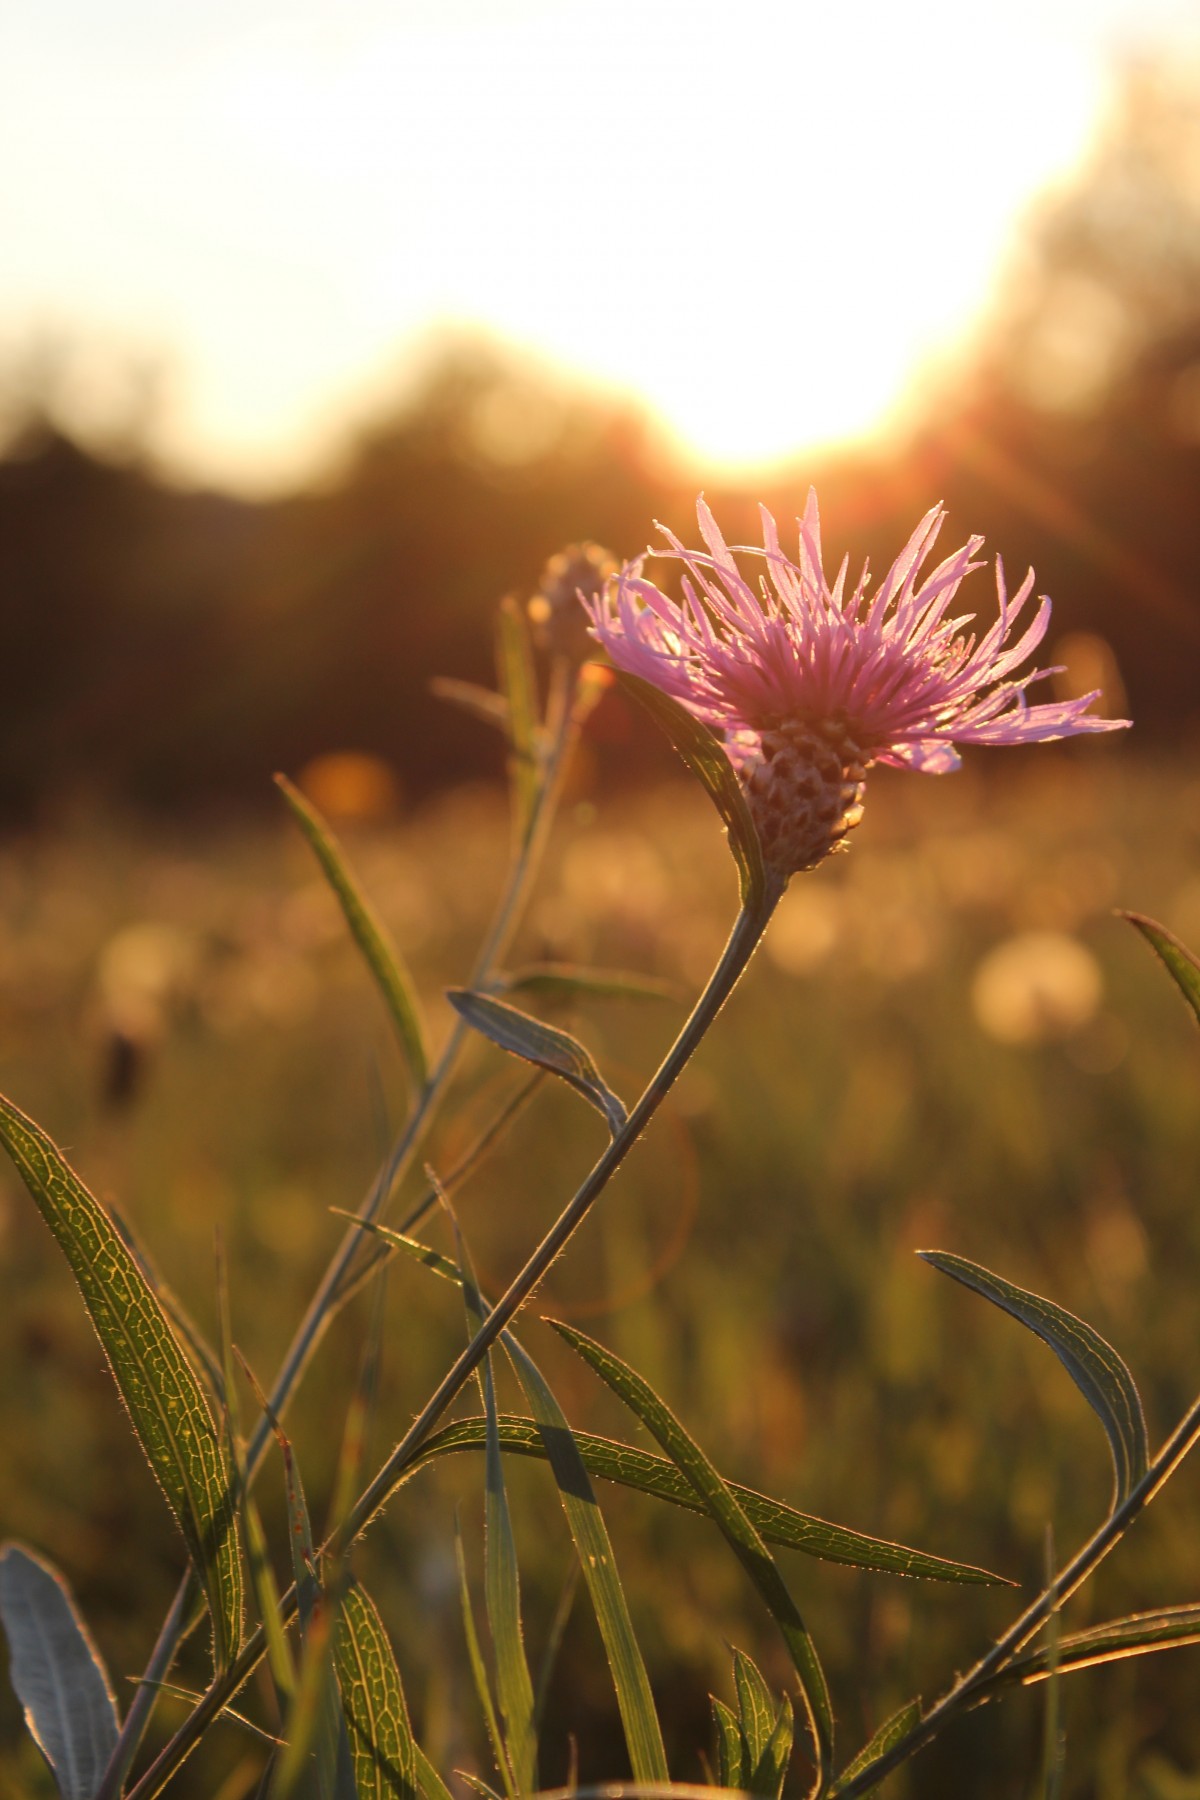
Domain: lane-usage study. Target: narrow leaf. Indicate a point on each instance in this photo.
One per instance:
(1093, 1365)
(381, 1740)
(480, 702)
(737, 1529)
(432, 1785)
(1177, 958)
(544, 1045)
(635, 1702)
(1166, 1628)
(258, 1561)
(563, 981)
(501, 1578)
(483, 1687)
(57, 1673)
(630, 1466)
(706, 758)
(166, 1401)
(374, 941)
(890, 1732)
(518, 678)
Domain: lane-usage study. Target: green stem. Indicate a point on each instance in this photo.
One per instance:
(743, 941)
(969, 1691)
(565, 713)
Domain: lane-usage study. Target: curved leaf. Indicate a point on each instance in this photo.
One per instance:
(166, 1401)
(1178, 960)
(650, 1474)
(1092, 1363)
(57, 1673)
(375, 942)
(1166, 1628)
(706, 758)
(545, 1045)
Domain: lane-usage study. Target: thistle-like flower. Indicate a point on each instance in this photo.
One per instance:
(808, 685)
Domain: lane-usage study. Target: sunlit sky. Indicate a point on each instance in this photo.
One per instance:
(763, 219)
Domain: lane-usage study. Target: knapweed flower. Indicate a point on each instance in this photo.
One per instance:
(808, 685)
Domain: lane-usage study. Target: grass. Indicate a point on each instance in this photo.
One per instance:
(183, 1013)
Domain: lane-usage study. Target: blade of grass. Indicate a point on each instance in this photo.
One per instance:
(635, 1701)
(374, 941)
(501, 1577)
(262, 1576)
(479, 1674)
(742, 1537)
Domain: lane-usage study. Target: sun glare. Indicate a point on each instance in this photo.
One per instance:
(764, 221)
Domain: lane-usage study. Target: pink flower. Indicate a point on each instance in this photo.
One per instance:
(809, 686)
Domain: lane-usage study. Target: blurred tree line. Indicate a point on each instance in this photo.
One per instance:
(163, 647)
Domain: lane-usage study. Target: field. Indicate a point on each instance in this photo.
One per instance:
(948, 1040)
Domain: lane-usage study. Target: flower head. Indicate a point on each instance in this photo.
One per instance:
(809, 684)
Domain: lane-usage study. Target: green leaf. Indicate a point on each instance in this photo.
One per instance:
(635, 1701)
(480, 702)
(316, 1759)
(630, 1466)
(166, 1401)
(722, 1504)
(258, 1561)
(756, 1705)
(1093, 1365)
(731, 1757)
(1177, 958)
(890, 1732)
(483, 1688)
(705, 757)
(518, 678)
(633, 1467)
(432, 1785)
(1166, 1628)
(374, 941)
(544, 1045)
(57, 1673)
(381, 1740)
(770, 1772)
(564, 981)
(501, 1577)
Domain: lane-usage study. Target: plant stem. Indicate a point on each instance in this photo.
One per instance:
(743, 941)
(969, 1691)
(568, 704)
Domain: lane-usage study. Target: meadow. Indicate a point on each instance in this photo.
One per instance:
(948, 1040)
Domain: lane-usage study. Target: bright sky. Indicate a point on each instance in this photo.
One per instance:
(760, 217)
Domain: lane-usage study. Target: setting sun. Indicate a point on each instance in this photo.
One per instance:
(766, 223)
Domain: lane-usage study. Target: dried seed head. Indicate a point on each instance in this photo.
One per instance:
(560, 624)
